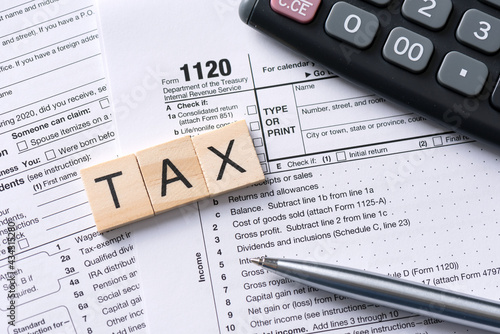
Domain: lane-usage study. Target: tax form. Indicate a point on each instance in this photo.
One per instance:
(350, 180)
(57, 274)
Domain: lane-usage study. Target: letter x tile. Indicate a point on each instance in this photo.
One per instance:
(228, 158)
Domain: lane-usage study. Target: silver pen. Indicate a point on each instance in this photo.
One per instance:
(391, 292)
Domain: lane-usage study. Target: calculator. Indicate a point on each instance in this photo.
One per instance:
(439, 58)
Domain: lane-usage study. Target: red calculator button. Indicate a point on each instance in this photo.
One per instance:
(302, 11)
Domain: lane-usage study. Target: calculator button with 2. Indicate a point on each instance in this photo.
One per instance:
(432, 14)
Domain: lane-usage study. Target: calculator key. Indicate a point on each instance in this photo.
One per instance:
(495, 97)
(480, 31)
(379, 3)
(302, 11)
(462, 74)
(494, 3)
(408, 50)
(428, 13)
(352, 25)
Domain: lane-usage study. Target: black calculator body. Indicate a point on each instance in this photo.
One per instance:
(439, 58)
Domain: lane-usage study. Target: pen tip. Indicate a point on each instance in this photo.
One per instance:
(257, 261)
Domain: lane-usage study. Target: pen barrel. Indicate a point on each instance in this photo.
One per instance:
(391, 292)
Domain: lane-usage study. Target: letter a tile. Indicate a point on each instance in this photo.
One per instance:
(116, 193)
(228, 158)
(172, 174)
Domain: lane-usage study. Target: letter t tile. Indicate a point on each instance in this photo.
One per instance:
(116, 192)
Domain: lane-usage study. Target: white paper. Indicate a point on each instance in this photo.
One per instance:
(55, 118)
(350, 180)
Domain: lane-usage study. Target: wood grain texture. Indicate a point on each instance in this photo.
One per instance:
(172, 174)
(116, 193)
(228, 158)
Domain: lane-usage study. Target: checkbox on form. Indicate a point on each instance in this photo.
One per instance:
(104, 103)
(23, 243)
(251, 110)
(257, 142)
(22, 146)
(341, 156)
(50, 154)
(254, 126)
(437, 141)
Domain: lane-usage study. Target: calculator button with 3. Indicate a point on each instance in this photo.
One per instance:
(480, 31)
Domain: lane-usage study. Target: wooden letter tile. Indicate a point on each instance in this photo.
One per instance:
(228, 158)
(172, 174)
(116, 193)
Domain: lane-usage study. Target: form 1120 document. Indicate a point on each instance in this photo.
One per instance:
(350, 180)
